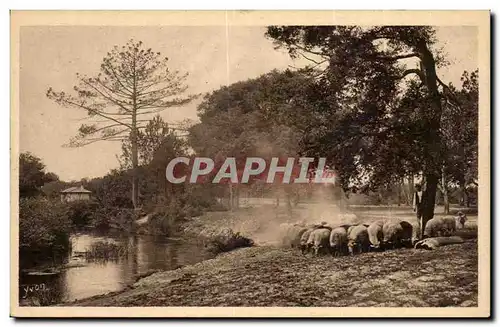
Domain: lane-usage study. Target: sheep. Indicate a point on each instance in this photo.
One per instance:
(449, 226)
(410, 233)
(295, 235)
(393, 233)
(375, 233)
(434, 242)
(303, 246)
(434, 227)
(338, 241)
(290, 234)
(358, 239)
(319, 239)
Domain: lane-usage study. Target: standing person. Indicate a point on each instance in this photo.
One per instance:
(417, 204)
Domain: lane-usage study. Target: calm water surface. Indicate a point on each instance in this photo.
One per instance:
(81, 278)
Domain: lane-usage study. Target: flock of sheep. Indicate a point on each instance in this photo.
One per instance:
(341, 239)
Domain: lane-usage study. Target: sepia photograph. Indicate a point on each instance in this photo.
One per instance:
(250, 164)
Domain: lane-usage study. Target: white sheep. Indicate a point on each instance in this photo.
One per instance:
(434, 227)
(358, 239)
(319, 239)
(338, 241)
(375, 233)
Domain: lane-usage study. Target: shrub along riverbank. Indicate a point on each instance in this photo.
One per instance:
(44, 228)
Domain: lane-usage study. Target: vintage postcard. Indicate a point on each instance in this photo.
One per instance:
(250, 164)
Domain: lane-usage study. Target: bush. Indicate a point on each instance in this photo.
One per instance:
(225, 240)
(167, 216)
(112, 217)
(44, 228)
(165, 219)
(81, 213)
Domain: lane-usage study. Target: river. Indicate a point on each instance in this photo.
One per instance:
(80, 278)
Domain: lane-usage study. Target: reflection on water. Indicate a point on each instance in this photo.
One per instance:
(81, 278)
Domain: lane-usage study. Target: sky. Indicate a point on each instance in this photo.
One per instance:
(50, 56)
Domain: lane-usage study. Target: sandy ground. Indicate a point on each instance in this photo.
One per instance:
(269, 275)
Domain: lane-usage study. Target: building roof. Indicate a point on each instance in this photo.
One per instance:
(76, 189)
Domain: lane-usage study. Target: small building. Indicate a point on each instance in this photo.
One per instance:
(76, 193)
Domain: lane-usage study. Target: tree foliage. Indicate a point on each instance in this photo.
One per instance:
(272, 115)
(32, 175)
(133, 82)
(460, 131)
(155, 137)
(384, 115)
(267, 115)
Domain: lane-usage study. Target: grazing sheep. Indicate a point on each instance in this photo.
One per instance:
(410, 234)
(295, 236)
(449, 226)
(375, 233)
(406, 234)
(434, 242)
(358, 239)
(393, 233)
(319, 239)
(290, 234)
(303, 246)
(434, 227)
(338, 241)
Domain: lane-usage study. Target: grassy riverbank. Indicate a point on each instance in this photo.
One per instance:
(267, 275)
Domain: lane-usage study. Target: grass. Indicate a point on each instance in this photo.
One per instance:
(104, 250)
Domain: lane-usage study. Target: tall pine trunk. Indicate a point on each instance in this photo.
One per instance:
(135, 164)
(133, 134)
